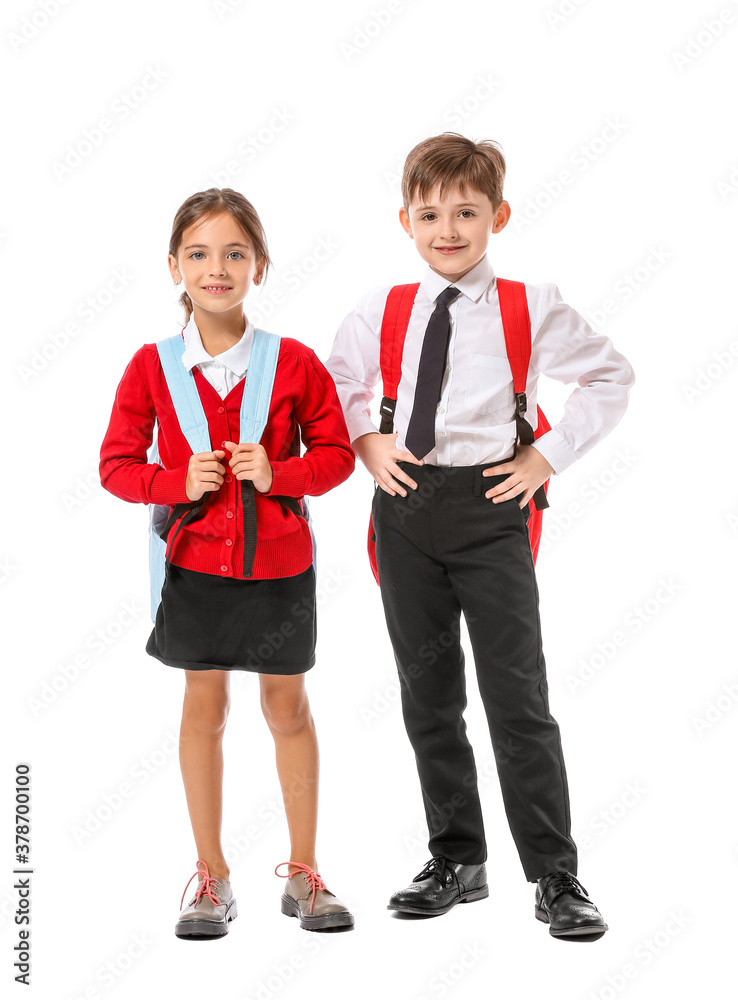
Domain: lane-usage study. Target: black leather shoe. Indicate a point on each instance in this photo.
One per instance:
(563, 902)
(439, 886)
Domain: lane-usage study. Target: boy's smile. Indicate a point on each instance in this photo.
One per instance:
(451, 234)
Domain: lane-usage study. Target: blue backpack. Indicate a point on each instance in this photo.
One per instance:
(257, 393)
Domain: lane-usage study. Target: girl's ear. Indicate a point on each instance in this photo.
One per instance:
(172, 262)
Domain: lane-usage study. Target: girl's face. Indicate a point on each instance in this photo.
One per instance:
(217, 263)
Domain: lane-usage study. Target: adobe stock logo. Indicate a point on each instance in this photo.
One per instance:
(714, 370)
(703, 38)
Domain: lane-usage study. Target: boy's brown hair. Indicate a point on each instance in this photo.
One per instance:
(452, 159)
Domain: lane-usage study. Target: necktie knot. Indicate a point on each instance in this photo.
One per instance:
(448, 295)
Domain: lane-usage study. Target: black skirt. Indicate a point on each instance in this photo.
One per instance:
(208, 622)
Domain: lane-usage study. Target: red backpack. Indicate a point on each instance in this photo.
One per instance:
(516, 325)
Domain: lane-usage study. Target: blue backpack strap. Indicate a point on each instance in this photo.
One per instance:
(257, 394)
(185, 397)
(194, 425)
(190, 416)
(158, 514)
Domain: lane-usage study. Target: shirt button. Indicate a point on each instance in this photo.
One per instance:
(224, 569)
(228, 541)
(441, 409)
(219, 387)
(448, 368)
(442, 433)
(229, 479)
(229, 513)
(221, 409)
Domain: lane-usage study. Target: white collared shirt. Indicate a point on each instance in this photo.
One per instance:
(475, 421)
(223, 371)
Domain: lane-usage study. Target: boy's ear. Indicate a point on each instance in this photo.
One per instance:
(502, 217)
(405, 222)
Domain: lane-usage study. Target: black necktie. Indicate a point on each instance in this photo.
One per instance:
(421, 431)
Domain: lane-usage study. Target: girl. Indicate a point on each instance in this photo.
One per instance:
(234, 597)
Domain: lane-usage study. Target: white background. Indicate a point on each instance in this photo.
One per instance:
(334, 101)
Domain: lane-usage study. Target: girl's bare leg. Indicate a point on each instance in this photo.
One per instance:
(285, 705)
(204, 715)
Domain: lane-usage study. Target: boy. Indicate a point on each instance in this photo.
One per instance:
(461, 542)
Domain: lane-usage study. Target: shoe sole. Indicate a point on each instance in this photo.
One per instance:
(319, 922)
(206, 928)
(467, 897)
(578, 930)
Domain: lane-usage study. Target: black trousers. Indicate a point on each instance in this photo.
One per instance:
(446, 549)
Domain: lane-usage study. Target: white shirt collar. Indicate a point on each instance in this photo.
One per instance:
(473, 284)
(236, 358)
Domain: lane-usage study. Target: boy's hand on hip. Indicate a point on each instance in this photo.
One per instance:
(380, 454)
(249, 461)
(527, 471)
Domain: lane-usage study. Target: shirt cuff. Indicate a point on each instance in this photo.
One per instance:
(556, 450)
(360, 424)
(169, 486)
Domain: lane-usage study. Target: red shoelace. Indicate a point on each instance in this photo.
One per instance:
(206, 886)
(314, 880)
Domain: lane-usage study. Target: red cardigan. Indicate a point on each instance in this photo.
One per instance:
(304, 403)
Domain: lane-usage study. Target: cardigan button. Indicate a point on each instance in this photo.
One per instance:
(229, 479)
(229, 513)
(228, 541)
(221, 409)
(224, 569)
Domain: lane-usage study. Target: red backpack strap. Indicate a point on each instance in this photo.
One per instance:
(516, 325)
(395, 320)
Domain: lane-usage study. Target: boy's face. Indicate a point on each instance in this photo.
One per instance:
(452, 234)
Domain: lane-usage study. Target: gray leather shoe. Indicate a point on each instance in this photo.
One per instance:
(307, 898)
(439, 886)
(210, 910)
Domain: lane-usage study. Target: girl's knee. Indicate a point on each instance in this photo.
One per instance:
(205, 712)
(285, 714)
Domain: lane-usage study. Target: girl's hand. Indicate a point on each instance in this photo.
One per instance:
(528, 470)
(204, 473)
(250, 461)
(380, 454)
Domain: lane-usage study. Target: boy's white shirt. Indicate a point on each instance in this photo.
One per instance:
(224, 371)
(475, 421)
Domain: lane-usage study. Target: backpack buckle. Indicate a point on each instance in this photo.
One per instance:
(521, 404)
(387, 414)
